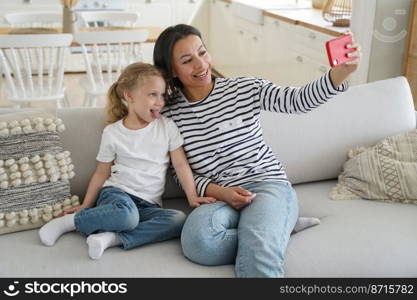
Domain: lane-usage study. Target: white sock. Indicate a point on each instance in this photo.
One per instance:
(99, 242)
(305, 222)
(52, 230)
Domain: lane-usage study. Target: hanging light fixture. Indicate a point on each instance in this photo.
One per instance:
(338, 12)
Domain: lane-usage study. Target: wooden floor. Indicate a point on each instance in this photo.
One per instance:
(73, 88)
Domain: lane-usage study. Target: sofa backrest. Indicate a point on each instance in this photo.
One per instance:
(314, 146)
(311, 146)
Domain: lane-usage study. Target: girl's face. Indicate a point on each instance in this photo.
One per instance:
(147, 100)
(191, 63)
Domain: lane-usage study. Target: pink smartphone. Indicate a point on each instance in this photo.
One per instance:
(337, 50)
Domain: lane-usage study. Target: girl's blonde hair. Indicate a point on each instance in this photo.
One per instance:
(133, 75)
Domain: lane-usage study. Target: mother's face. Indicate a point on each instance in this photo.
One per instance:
(191, 63)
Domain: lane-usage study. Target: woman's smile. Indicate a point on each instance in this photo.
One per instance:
(202, 75)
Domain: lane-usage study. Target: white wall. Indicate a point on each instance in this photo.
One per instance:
(389, 39)
(380, 27)
(362, 24)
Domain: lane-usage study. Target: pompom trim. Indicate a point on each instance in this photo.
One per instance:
(27, 126)
(12, 221)
(36, 169)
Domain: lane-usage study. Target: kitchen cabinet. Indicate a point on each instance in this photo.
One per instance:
(275, 65)
(251, 47)
(306, 48)
(294, 55)
(152, 12)
(280, 51)
(235, 45)
(222, 39)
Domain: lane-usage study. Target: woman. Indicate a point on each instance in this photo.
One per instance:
(219, 121)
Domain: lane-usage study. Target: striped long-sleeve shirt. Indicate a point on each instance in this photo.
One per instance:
(222, 133)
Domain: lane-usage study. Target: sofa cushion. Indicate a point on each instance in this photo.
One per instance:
(356, 238)
(34, 171)
(26, 256)
(386, 171)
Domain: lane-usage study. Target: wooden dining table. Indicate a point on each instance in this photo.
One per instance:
(154, 32)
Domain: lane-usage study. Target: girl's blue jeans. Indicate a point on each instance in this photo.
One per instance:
(136, 221)
(254, 238)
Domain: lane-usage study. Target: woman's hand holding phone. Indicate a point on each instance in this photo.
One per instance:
(340, 72)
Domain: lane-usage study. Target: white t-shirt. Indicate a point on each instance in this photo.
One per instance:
(141, 157)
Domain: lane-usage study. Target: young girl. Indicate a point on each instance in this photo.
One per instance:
(130, 176)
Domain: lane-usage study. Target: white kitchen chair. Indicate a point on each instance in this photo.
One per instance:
(33, 66)
(105, 54)
(34, 19)
(108, 19)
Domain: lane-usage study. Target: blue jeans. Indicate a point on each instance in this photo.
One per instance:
(254, 238)
(136, 221)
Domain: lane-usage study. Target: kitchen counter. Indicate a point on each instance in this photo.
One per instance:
(299, 14)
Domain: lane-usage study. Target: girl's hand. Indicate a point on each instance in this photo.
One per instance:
(197, 201)
(237, 197)
(72, 210)
(341, 72)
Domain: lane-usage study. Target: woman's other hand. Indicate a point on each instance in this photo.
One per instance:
(237, 197)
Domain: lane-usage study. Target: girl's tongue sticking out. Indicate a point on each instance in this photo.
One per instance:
(155, 113)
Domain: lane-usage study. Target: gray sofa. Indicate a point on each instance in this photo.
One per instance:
(356, 238)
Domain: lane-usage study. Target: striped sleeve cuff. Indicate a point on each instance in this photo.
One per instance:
(341, 88)
(201, 184)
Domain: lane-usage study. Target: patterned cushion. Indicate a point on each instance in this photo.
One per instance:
(386, 171)
(34, 171)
